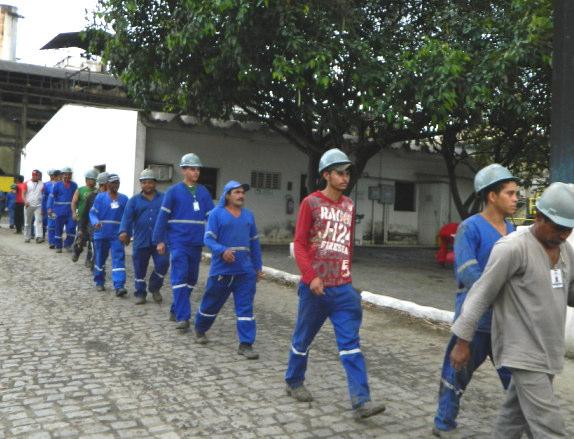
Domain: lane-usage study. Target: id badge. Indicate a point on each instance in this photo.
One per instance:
(196, 206)
(115, 205)
(556, 278)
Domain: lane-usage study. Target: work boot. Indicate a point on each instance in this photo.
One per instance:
(89, 264)
(300, 393)
(171, 317)
(120, 292)
(26, 240)
(367, 410)
(454, 433)
(200, 337)
(140, 300)
(52, 247)
(75, 257)
(157, 296)
(247, 351)
(182, 326)
(58, 250)
(100, 288)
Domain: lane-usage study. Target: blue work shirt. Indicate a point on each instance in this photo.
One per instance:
(10, 200)
(109, 213)
(181, 220)
(225, 231)
(60, 199)
(473, 243)
(140, 217)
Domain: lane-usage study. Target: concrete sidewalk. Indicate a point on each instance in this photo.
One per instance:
(80, 364)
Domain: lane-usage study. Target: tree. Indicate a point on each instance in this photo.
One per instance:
(321, 73)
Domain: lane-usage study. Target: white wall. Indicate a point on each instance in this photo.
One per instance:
(83, 137)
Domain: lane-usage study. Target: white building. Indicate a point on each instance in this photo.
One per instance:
(125, 142)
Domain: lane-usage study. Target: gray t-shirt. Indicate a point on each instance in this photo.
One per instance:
(529, 313)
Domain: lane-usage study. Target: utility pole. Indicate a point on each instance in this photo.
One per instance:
(562, 128)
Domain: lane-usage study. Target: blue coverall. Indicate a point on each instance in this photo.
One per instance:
(181, 226)
(60, 201)
(50, 222)
(10, 205)
(472, 246)
(108, 213)
(224, 231)
(138, 222)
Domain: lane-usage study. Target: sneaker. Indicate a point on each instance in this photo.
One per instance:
(58, 250)
(75, 257)
(200, 337)
(100, 288)
(300, 393)
(171, 317)
(367, 410)
(247, 351)
(120, 292)
(157, 296)
(454, 433)
(140, 300)
(182, 325)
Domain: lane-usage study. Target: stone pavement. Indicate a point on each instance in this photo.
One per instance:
(80, 364)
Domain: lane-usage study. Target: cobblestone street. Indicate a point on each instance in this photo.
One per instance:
(81, 364)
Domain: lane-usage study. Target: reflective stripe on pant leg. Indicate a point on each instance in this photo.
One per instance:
(179, 275)
(140, 259)
(101, 249)
(216, 293)
(160, 266)
(58, 230)
(311, 314)
(70, 231)
(453, 383)
(346, 317)
(118, 263)
(243, 288)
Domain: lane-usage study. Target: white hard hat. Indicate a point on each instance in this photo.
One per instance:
(333, 157)
(557, 203)
(490, 175)
(147, 174)
(190, 160)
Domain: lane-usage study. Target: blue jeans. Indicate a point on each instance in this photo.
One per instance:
(342, 304)
(453, 383)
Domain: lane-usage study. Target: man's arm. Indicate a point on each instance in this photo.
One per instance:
(74, 205)
(302, 244)
(127, 224)
(94, 213)
(255, 248)
(212, 235)
(466, 261)
(160, 228)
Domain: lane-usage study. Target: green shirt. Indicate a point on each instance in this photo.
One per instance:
(83, 194)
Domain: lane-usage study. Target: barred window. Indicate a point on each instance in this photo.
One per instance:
(265, 180)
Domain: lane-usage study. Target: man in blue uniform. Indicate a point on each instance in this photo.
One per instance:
(180, 227)
(235, 267)
(59, 204)
(105, 216)
(138, 222)
(11, 204)
(50, 221)
(473, 243)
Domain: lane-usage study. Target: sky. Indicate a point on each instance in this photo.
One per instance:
(43, 20)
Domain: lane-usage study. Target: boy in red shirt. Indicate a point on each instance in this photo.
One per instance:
(20, 201)
(323, 251)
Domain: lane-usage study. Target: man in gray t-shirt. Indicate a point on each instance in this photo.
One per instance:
(529, 280)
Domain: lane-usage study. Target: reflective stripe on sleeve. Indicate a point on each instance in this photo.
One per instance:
(467, 264)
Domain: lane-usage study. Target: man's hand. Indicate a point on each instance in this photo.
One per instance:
(27, 204)
(124, 238)
(98, 226)
(460, 354)
(228, 256)
(160, 247)
(317, 287)
(260, 275)
(75, 216)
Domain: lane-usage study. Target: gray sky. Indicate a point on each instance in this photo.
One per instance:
(43, 20)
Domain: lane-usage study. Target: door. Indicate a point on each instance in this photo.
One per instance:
(433, 211)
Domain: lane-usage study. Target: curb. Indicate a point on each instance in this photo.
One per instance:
(414, 310)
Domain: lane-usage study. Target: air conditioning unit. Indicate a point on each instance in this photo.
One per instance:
(162, 172)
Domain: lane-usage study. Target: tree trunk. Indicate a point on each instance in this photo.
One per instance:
(448, 153)
(313, 176)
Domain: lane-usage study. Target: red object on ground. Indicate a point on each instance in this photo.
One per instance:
(445, 254)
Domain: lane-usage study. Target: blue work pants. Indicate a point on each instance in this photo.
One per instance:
(140, 258)
(184, 273)
(342, 304)
(102, 248)
(67, 222)
(453, 383)
(217, 291)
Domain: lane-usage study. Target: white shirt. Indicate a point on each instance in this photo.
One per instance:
(34, 191)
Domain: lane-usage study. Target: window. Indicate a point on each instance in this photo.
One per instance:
(265, 180)
(208, 178)
(405, 196)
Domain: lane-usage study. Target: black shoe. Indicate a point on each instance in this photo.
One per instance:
(39, 240)
(200, 337)
(58, 250)
(300, 393)
(75, 257)
(367, 410)
(140, 300)
(120, 292)
(182, 326)
(247, 351)
(157, 296)
(171, 317)
(52, 247)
